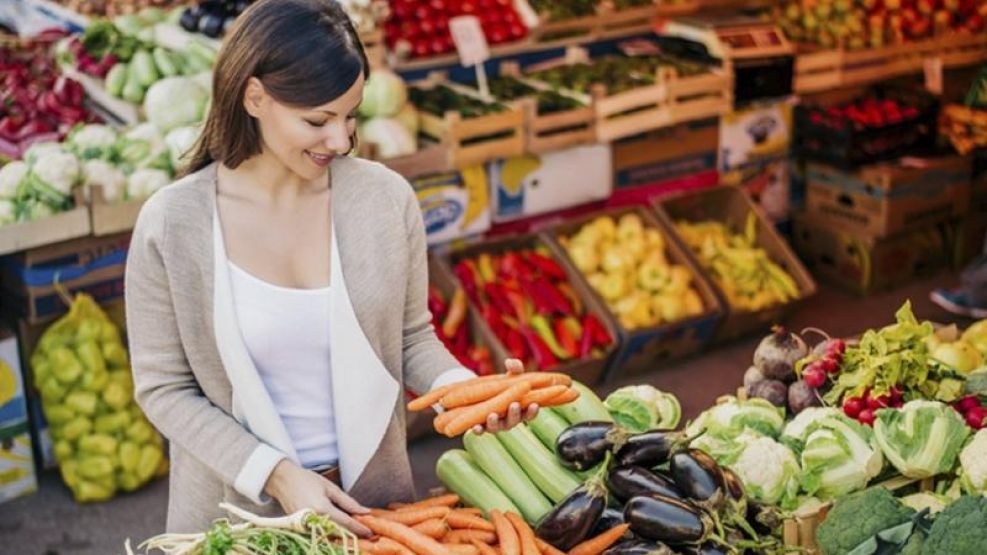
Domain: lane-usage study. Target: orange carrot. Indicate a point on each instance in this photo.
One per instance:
(477, 414)
(525, 533)
(460, 519)
(568, 396)
(375, 548)
(547, 548)
(394, 546)
(416, 541)
(443, 420)
(506, 534)
(427, 400)
(434, 528)
(412, 517)
(396, 506)
(465, 536)
(543, 379)
(470, 511)
(542, 395)
(449, 500)
(474, 393)
(461, 549)
(599, 544)
(484, 549)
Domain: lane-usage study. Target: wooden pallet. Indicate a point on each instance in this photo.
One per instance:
(475, 140)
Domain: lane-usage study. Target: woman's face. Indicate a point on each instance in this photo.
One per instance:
(305, 140)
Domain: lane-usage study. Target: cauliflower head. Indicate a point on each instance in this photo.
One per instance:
(108, 177)
(11, 177)
(973, 464)
(770, 472)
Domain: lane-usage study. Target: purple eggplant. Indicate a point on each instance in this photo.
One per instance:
(584, 446)
(610, 518)
(665, 519)
(698, 477)
(734, 486)
(649, 449)
(639, 547)
(625, 482)
(572, 520)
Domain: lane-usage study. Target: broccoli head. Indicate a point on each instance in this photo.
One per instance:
(858, 517)
(961, 529)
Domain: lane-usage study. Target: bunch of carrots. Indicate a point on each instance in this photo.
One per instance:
(466, 404)
(437, 527)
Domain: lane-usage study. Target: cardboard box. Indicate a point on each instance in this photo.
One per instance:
(35, 282)
(643, 348)
(768, 183)
(750, 136)
(865, 264)
(887, 199)
(529, 185)
(731, 205)
(589, 370)
(666, 155)
(17, 475)
(454, 204)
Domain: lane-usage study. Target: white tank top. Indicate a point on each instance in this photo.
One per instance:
(286, 332)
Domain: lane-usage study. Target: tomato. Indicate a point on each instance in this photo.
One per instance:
(403, 9)
(423, 13)
(438, 6)
(421, 48)
(426, 26)
(410, 29)
(468, 7)
(517, 31)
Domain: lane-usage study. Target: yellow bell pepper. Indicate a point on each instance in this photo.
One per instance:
(98, 444)
(82, 402)
(64, 365)
(94, 466)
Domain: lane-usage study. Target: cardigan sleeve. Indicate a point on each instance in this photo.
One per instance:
(165, 386)
(425, 357)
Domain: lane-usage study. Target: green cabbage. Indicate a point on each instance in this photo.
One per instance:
(383, 95)
(922, 438)
(839, 457)
(730, 418)
(175, 102)
(973, 464)
(640, 408)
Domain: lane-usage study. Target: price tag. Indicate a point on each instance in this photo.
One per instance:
(469, 39)
(933, 75)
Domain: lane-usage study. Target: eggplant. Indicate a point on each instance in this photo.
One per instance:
(610, 518)
(698, 477)
(734, 487)
(665, 519)
(190, 19)
(625, 482)
(764, 519)
(586, 445)
(211, 25)
(649, 449)
(639, 547)
(572, 520)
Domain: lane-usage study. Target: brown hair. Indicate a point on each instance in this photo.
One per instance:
(305, 52)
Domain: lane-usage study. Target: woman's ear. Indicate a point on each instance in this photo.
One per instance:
(253, 97)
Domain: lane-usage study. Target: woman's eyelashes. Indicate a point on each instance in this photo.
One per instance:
(321, 123)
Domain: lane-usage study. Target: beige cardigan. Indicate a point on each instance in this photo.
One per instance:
(196, 383)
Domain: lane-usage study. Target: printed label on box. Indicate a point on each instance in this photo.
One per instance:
(754, 134)
(768, 183)
(17, 476)
(454, 204)
(529, 185)
(13, 406)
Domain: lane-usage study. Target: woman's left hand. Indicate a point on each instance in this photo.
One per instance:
(515, 415)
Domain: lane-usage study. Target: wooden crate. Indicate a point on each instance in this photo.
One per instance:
(697, 97)
(109, 218)
(475, 140)
(555, 131)
(799, 530)
(606, 22)
(427, 160)
(71, 224)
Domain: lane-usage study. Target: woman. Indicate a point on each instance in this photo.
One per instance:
(276, 295)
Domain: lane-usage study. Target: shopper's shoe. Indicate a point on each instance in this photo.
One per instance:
(958, 302)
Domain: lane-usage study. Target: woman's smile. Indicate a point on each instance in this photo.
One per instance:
(321, 160)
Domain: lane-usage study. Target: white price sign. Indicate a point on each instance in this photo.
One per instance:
(469, 39)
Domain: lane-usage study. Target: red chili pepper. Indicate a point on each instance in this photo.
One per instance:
(546, 265)
(543, 305)
(515, 344)
(436, 302)
(600, 334)
(552, 295)
(512, 264)
(544, 359)
(497, 297)
(521, 305)
(494, 319)
(586, 341)
(467, 275)
(565, 337)
(462, 340)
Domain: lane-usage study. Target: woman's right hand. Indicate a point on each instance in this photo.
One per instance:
(297, 488)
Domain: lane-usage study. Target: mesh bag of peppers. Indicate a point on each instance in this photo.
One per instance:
(102, 440)
(525, 297)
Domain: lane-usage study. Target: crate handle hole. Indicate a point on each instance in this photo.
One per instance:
(827, 260)
(845, 200)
